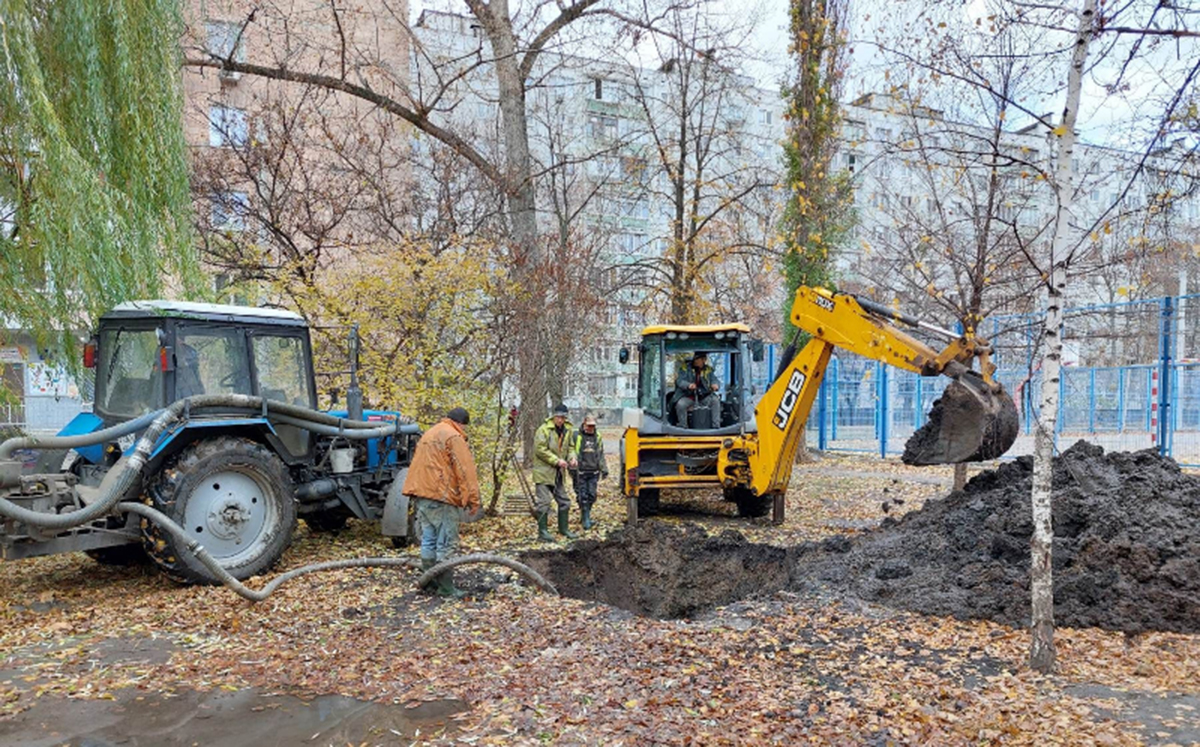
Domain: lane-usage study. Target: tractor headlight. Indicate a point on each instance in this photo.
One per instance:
(719, 336)
(683, 335)
(671, 335)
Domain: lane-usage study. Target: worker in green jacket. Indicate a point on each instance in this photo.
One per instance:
(553, 455)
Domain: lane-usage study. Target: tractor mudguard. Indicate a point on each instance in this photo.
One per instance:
(395, 509)
(191, 426)
(82, 424)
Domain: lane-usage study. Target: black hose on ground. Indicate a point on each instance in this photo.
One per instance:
(481, 557)
(259, 595)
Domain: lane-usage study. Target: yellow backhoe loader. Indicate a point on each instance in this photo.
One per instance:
(681, 438)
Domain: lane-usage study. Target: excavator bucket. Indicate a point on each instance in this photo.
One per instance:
(971, 422)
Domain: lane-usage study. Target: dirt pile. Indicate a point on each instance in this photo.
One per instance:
(1126, 553)
(1126, 547)
(657, 570)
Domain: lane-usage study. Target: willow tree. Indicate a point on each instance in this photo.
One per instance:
(817, 215)
(94, 200)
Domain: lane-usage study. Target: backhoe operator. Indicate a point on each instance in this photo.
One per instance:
(695, 387)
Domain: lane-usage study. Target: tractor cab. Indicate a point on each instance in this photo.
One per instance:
(680, 395)
(148, 354)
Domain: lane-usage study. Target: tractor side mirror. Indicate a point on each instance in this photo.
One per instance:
(757, 351)
(623, 355)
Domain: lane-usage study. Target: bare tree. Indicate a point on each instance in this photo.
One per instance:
(350, 62)
(694, 106)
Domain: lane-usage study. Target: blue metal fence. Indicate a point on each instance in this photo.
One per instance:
(1131, 380)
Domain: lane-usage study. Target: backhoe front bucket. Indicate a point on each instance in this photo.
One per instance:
(971, 422)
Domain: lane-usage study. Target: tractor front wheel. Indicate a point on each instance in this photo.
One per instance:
(231, 495)
(119, 555)
(332, 521)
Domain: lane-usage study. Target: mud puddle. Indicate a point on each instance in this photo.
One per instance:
(223, 719)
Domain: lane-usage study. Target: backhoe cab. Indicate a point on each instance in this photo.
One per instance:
(750, 456)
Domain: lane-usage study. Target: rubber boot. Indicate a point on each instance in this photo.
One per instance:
(585, 516)
(446, 587)
(564, 514)
(543, 521)
(426, 564)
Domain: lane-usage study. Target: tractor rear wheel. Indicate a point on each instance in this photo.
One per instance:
(749, 505)
(231, 495)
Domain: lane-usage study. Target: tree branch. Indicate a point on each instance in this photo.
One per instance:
(408, 114)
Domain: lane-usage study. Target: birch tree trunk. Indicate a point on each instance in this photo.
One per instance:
(960, 476)
(1041, 652)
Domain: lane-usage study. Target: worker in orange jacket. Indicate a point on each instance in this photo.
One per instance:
(443, 481)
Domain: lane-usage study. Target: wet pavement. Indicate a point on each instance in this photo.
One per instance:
(223, 719)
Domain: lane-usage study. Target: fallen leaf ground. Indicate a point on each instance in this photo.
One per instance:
(535, 669)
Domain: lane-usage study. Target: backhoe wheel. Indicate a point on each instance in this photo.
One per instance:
(749, 505)
(231, 495)
(647, 501)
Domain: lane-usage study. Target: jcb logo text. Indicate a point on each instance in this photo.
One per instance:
(790, 397)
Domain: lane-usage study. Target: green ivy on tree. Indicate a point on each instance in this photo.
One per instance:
(94, 199)
(818, 215)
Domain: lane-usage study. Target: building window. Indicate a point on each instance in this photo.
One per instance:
(603, 127)
(632, 244)
(765, 117)
(222, 36)
(599, 89)
(483, 110)
(229, 211)
(227, 127)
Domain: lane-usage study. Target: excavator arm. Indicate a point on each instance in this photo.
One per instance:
(974, 420)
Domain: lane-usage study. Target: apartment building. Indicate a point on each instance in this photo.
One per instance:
(278, 166)
(921, 180)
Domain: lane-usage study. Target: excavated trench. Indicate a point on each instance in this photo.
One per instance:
(1126, 553)
(657, 570)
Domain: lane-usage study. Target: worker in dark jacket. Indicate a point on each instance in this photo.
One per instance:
(696, 386)
(443, 481)
(552, 457)
(591, 468)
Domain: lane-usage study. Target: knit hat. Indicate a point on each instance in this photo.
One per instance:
(560, 409)
(460, 416)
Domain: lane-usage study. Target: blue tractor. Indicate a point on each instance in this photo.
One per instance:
(236, 479)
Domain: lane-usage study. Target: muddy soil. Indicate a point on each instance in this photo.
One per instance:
(1126, 553)
(660, 571)
(1126, 547)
